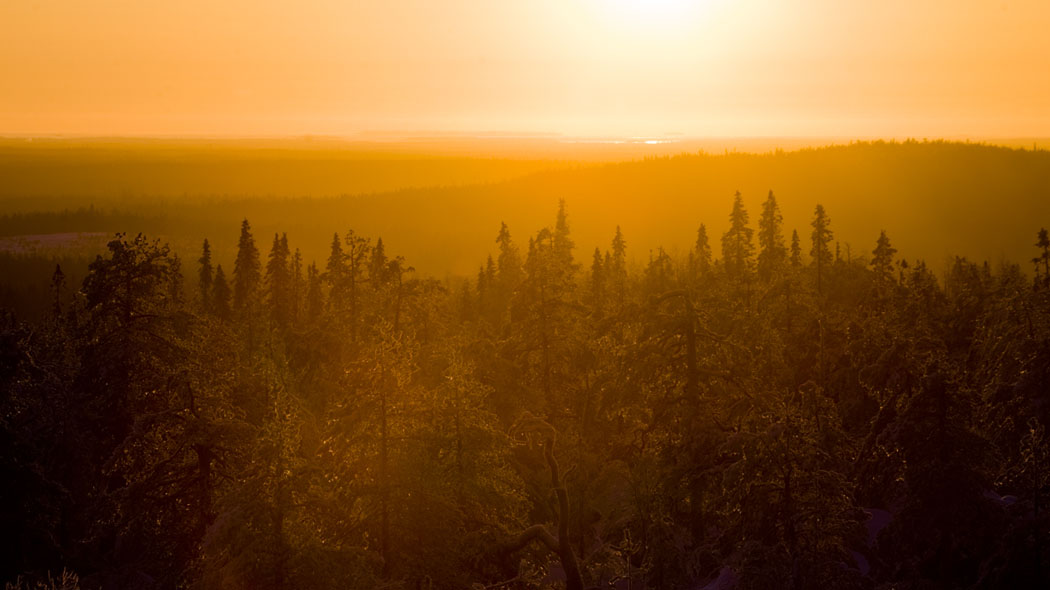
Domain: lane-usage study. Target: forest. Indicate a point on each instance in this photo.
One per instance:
(764, 408)
(938, 199)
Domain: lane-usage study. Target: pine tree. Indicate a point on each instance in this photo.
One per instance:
(770, 239)
(796, 249)
(205, 277)
(821, 236)
(128, 298)
(737, 246)
(246, 272)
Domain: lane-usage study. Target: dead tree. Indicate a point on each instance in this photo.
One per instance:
(538, 532)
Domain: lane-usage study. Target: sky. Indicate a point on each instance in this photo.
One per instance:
(714, 68)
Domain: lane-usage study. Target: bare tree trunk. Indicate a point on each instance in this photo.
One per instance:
(560, 545)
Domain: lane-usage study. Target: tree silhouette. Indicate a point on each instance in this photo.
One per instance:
(820, 251)
(882, 259)
(796, 249)
(737, 247)
(1044, 243)
(247, 271)
(220, 303)
(205, 277)
(773, 254)
(702, 252)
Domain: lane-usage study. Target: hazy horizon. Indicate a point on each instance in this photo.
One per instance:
(505, 144)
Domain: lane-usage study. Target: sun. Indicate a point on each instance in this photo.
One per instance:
(654, 17)
(652, 10)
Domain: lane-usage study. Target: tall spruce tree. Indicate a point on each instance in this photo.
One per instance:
(278, 282)
(314, 297)
(377, 266)
(702, 252)
(220, 296)
(821, 237)
(1043, 242)
(563, 244)
(335, 273)
(616, 270)
(508, 264)
(737, 246)
(597, 280)
(882, 258)
(205, 277)
(773, 254)
(247, 271)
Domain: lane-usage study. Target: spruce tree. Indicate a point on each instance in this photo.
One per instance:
(278, 281)
(220, 295)
(597, 279)
(737, 246)
(882, 259)
(1044, 243)
(796, 249)
(770, 239)
(508, 264)
(205, 277)
(377, 266)
(175, 291)
(297, 287)
(821, 237)
(702, 251)
(616, 269)
(247, 270)
(357, 253)
(335, 273)
(314, 297)
(561, 244)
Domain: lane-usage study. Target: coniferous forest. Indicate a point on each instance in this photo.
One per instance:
(765, 409)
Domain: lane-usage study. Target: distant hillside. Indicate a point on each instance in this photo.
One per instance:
(934, 199)
(56, 173)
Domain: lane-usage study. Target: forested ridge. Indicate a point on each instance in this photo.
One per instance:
(938, 198)
(766, 409)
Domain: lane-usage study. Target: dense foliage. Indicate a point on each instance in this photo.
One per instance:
(759, 420)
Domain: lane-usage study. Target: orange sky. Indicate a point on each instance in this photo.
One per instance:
(893, 68)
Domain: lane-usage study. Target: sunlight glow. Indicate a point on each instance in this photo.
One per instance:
(658, 21)
(653, 10)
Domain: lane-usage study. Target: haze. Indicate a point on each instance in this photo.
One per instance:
(585, 67)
